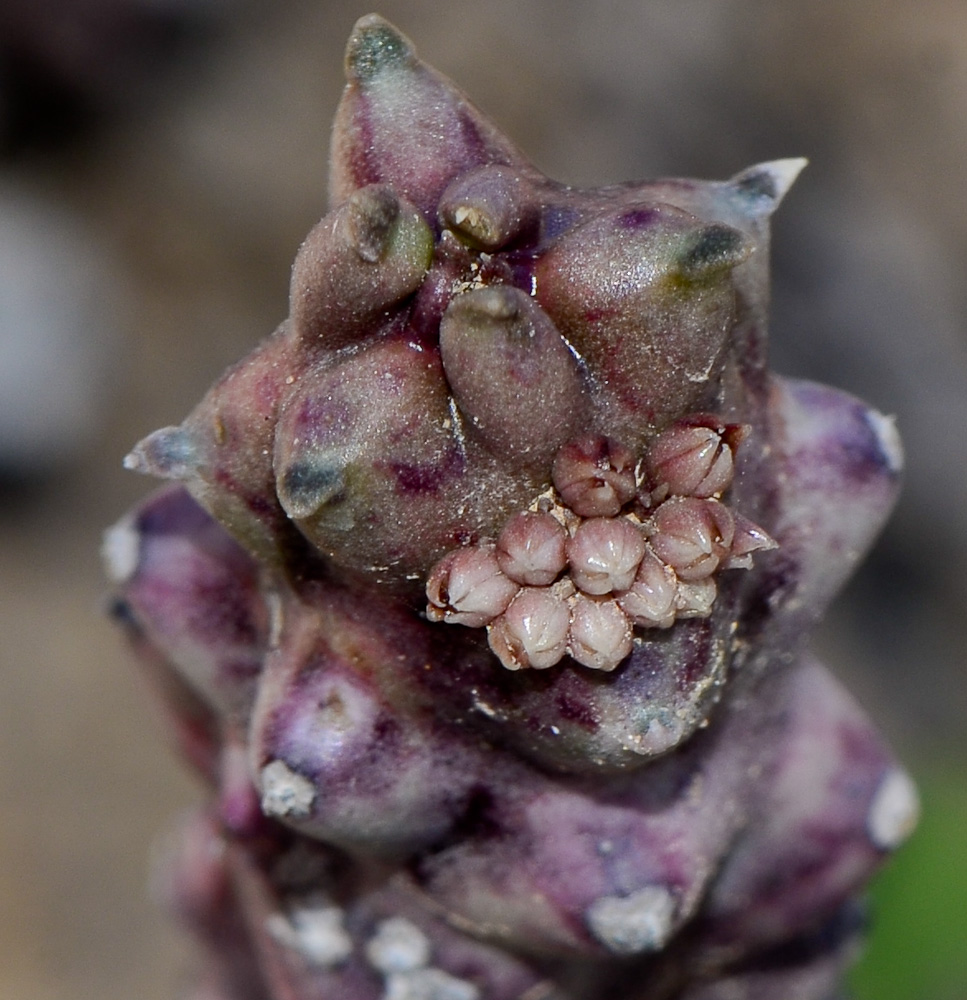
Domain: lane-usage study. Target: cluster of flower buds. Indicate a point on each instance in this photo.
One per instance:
(616, 543)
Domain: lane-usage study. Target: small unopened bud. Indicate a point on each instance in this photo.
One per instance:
(466, 587)
(691, 535)
(693, 458)
(749, 538)
(487, 207)
(595, 476)
(530, 549)
(533, 631)
(604, 553)
(650, 601)
(696, 597)
(513, 377)
(600, 635)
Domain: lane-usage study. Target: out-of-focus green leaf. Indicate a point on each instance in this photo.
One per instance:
(917, 948)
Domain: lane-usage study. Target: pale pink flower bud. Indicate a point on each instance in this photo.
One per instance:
(466, 587)
(691, 535)
(749, 538)
(533, 631)
(600, 635)
(690, 460)
(595, 476)
(604, 553)
(650, 601)
(695, 598)
(530, 549)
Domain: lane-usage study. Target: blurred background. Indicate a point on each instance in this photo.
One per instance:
(161, 160)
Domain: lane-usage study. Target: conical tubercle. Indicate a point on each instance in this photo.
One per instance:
(169, 453)
(766, 184)
(402, 123)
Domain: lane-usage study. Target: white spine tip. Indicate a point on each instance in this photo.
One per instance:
(285, 793)
(894, 810)
(888, 438)
(429, 984)
(316, 933)
(785, 172)
(631, 925)
(771, 180)
(121, 551)
(398, 946)
(168, 453)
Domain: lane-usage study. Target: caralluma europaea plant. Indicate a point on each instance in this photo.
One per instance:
(481, 596)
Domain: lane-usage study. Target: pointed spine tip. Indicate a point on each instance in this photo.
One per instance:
(121, 550)
(766, 184)
(374, 46)
(887, 438)
(168, 453)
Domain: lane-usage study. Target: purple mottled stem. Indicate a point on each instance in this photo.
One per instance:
(481, 600)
